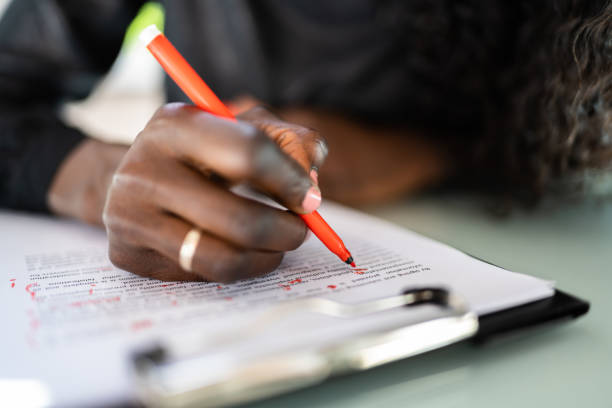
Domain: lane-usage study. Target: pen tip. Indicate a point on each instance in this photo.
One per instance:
(350, 261)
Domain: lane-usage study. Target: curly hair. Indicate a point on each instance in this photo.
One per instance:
(522, 89)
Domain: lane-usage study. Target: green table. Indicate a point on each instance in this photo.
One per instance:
(560, 365)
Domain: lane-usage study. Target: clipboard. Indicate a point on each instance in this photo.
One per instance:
(166, 381)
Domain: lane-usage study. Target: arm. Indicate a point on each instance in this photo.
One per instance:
(173, 178)
(370, 164)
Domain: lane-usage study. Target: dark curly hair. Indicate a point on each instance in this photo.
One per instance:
(522, 89)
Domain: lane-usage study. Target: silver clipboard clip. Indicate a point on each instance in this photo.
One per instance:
(169, 381)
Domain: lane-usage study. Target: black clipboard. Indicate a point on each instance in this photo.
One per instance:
(561, 306)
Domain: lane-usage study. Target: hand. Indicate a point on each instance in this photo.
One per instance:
(176, 176)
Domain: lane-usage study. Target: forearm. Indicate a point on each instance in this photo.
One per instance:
(365, 165)
(80, 184)
(372, 164)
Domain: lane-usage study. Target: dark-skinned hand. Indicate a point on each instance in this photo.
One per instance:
(177, 175)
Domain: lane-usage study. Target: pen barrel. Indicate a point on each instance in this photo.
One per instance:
(203, 97)
(186, 78)
(326, 234)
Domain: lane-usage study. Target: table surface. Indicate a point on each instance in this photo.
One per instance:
(563, 365)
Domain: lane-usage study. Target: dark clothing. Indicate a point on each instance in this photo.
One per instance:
(336, 55)
(380, 60)
(332, 55)
(50, 51)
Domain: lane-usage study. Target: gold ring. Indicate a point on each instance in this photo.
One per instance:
(188, 248)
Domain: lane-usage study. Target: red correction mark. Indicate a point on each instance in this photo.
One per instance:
(141, 324)
(30, 290)
(291, 282)
(360, 271)
(95, 301)
(219, 287)
(34, 324)
(12, 282)
(331, 286)
(91, 289)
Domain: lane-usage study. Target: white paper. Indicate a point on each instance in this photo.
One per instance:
(72, 319)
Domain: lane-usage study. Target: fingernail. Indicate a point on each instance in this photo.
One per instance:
(314, 175)
(312, 201)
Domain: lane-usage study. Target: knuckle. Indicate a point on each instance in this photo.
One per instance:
(110, 218)
(131, 184)
(256, 114)
(254, 139)
(320, 149)
(259, 110)
(164, 120)
(124, 229)
(120, 183)
(321, 143)
(169, 110)
(107, 215)
(257, 150)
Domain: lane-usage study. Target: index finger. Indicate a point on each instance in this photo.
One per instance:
(236, 151)
(303, 144)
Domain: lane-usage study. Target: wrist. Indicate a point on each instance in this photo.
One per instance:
(80, 183)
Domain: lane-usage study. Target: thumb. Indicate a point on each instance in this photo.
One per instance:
(304, 145)
(278, 175)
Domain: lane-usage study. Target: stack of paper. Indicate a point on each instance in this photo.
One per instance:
(72, 319)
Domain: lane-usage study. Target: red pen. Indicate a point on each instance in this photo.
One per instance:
(202, 96)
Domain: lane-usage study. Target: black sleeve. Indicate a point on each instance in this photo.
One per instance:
(50, 51)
